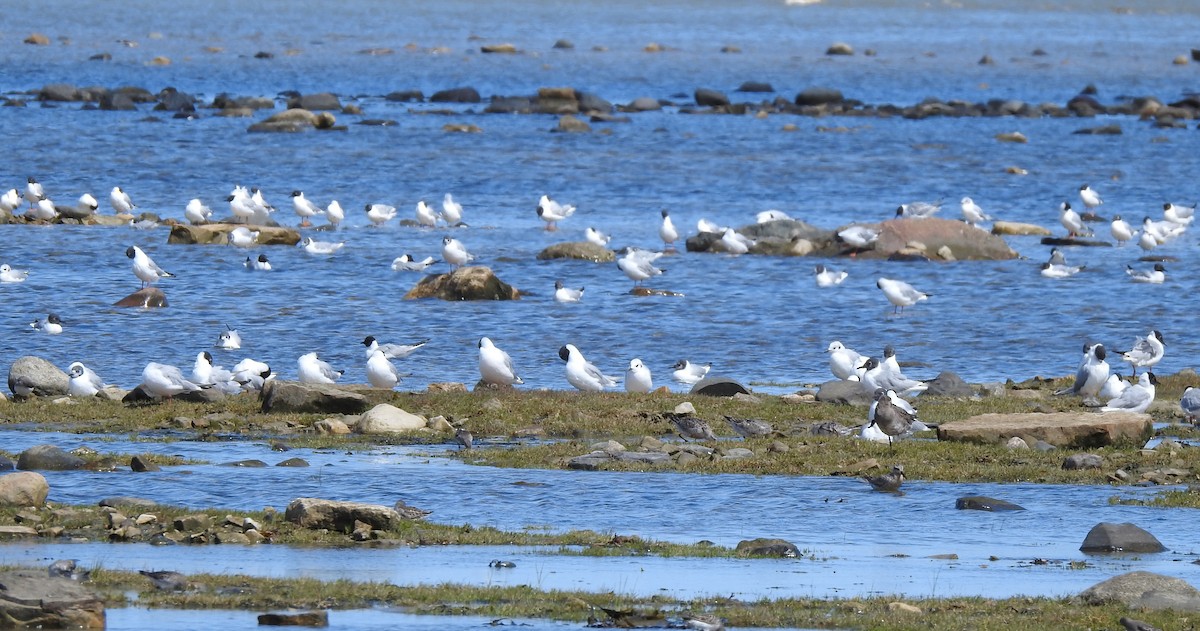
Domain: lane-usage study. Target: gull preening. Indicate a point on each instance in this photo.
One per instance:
(10, 201)
(258, 264)
(972, 213)
(595, 236)
(425, 216)
(196, 212)
(667, 231)
(638, 265)
(452, 211)
(322, 248)
(1154, 276)
(391, 351)
(495, 365)
(314, 370)
(703, 225)
(918, 210)
(33, 191)
(252, 374)
(583, 374)
(44, 210)
(553, 212)
(380, 214)
(638, 378)
(406, 263)
(562, 293)
(304, 208)
(826, 277)
(1146, 352)
(455, 253)
(1136, 398)
(144, 267)
(900, 293)
(10, 275)
(243, 237)
(1089, 197)
(84, 382)
(844, 362)
(206, 374)
(335, 213)
(689, 373)
(51, 324)
(121, 203)
(163, 380)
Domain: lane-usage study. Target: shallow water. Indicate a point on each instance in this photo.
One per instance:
(856, 541)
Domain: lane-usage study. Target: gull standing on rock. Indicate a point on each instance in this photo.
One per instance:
(455, 253)
(313, 370)
(335, 213)
(581, 373)
(452, 211)
(196, 212)
(204, 373)
(900, 293)
(827, 277)
(1071, 221)
(10, 201)
(495, 365)
(304, 208)
(33, 191)
(1090, 198)
(667, 231)
(1121, 230)
(121, 202)
(638, 265)
(84, 382)
(638, 378)
(1136, 398)
(595, 236)
(382, 373)
(44, 209)
(144, 267)
(972, 213)
(858, 237)
(1146, 352)
(1093, 373)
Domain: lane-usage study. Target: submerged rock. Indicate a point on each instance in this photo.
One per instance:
(979, 502)
(768, 548)
(147, 298)
(48, 458)
(1110, 537)
(581, 250)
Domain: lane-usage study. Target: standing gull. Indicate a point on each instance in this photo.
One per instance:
(382, 373)
(638, 378)
(1147, 351)
(380, 214)
(391, 351)
(1089, 197)
(144, 267)
(667, 231)
(455, 253)
(313, 370)
(495, 366)
(638, 265)
(553, 212)
(304, 208)
(1093, 373)
(121, 202)
(581, 373)
(426, 217)
(900, 293)
(452, 211)
(1121, 230)
(1071, 221)
(972, 213)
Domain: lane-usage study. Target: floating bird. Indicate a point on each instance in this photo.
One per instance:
(638, 378)
(452, 211)
(1071, 221)
(196, 212)
(562, 293)
(1190, 404)
(889, 482)
(583, 374)
(121, 203)
(304, 208)
(10, 201)
(689, 373)
(735, 243)
(704, 225)
(229, 339)
(243, 237)
(51, 324)
(1136, 398)
(83, 381)
(844, 362)
(391, 351)
(455, 253)
(33, 191)
(1121, 230)
(321, 248)
(553, 212)
(335, 213)
(667, 231)
(900, 293)
(259, 264)
(380, 214)
(1154, 276)
(10, 275)
(406, 263)
(1089, 197)
(1177, 213)
(1057, 266)
(918, 210)
(144, 267)
(891, 414)
(313, 370)
(595, 236)
(638, 265)
(495, 365)
(692, 427)
(1146, 352)
(749, 427)
(827, 277)
(1093, 373)
(425, 215)
(382, 373)
(162, 380)
(463, 437)
(972, 213)
(767, 216)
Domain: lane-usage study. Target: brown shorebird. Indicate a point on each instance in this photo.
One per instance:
(891, 414)
(749, 427)
(166, 580)
(888, 482)
(691, 426)
(703, 622)
(1137, 625)
(464, 438)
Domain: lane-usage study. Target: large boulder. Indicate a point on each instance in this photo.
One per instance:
(767, 547)
(293, 120)
(581, 250)
(1110, 537)
(948, 384)
(706, 97)
(293, 396)
(718, 386)
(315, 513)
(843, 393)
(45, 378)
(1144, 590)
(218, 234)
(819, 96)
(778, 238)
(24, 488)
(146, 298)
(48, 458)
(32, 599)
(58, 92)
(389, 419)
(464, 283)
(964, 241)
(1079, 430)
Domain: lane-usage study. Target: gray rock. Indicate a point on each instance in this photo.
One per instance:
(321, 101)
(252, 463)
(840, 48)
(737, 453)
(48, 458)
(172, 100)
(718, 386)
(293, 396)
(510, 105)
(6, 464)
(1113, 129)
(563, 44)
(644, 457)
(314, 513)
(32, 599)
(464, 283)
(456, 95)
(979, 502)
(819, 96)
(122, 501)
(1144, 590)
(58, 92)
(1083, 461)
(755, 86)
(318, 618)
(644, 104)
(589, 462)
(287, 121)
(1110, 537)
(45, 378)
(948, 384)
(139, 465)
(293, 462)
(116, 101)
(572, 125)
(578, 250)
(404, 96)
(768, 548)
(590, 103)
(843, 393)
(706, 97)
(25, 488)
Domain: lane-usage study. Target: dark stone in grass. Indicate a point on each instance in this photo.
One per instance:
(48, 458)
(6, 464)
(1083, 461)
(1110, 537)
(122, 501)
(948, 384)
(137, 464)
(979, 502)
(718, 386)
(767, 548)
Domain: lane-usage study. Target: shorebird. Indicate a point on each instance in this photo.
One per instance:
(891, 414)
(749, 427)
(691, 426)
(463, 437)
(1190, 404)
(889, 482)
(900, 293)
